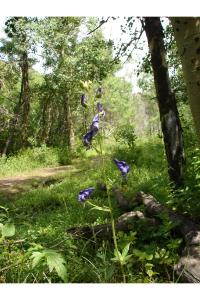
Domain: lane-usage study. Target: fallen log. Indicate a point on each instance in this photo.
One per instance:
(124, 223)
(188, 267)
(123, 203)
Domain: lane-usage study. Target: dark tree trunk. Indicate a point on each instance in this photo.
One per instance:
(68, 124)
(25, 96)
(169, 117)
(12, 127)
(46, 121)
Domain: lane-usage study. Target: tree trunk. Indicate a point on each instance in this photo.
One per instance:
(46, 121)
(68, 124)
(12, 127)
(187, 36)
(169, 117)
(25, 96)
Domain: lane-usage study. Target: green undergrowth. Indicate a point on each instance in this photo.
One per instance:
(32, 158)
(41, 251)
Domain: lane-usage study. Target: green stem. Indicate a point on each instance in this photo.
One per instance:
(111, 212)
(114, 236)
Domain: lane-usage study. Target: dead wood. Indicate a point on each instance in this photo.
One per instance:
(188, 267)
(124, 223)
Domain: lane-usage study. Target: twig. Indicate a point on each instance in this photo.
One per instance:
(100, 24)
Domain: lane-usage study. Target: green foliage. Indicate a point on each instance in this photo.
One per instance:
(30, 159)
(125, 135)
(52, 259)
(34, 246)
(7, 229)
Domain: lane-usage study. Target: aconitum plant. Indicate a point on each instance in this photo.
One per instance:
(85, 194)
(100, 109)
(94, 127)
(95, 123)
(122, 166)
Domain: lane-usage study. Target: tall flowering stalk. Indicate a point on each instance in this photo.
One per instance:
(85, 194)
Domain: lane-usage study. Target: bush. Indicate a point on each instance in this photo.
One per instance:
(64, 156)
(125, 134)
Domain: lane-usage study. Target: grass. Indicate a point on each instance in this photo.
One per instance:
(43, 215)
(31, 159)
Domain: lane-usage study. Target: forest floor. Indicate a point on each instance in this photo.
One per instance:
(41, 205)
(41, 177)
(10, 185)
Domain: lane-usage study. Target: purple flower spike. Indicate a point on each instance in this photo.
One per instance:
(100, 109)
(85, 194)
(122, 166)
(83, 100)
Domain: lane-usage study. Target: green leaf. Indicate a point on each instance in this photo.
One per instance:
(8, 230)
(125, 250)
(36, 257)
(95, 207)
(150, 273)
(57, 262)
(142, 255)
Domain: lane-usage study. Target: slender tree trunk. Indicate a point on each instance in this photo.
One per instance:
(25, 96)
(46, 121)
(68, 124)
(12, 127)
(187, 35)
(169, 117)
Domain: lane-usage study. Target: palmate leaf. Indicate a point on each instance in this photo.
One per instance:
(36, 257)
(125, 250)
(57, 262)
(8, 230)
(53, 260)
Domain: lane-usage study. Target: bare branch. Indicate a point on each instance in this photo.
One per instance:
(100, 24)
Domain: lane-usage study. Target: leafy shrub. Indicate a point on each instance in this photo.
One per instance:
(64, 156)
(125, 134)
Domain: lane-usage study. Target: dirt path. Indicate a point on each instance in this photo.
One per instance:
(23, 182)
(9, 186)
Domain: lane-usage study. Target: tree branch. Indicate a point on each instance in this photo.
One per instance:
(100, 24)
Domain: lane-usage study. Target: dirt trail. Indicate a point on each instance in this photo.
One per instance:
(23, 182)
(11, 185)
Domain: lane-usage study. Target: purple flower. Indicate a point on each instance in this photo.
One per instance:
(122, 166)
(95, 124)
(100, 108)
(85, 194)
(94, 127)
(83, 100)
(99, 92)
(88, 138)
